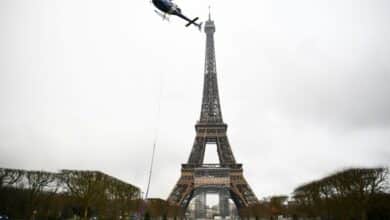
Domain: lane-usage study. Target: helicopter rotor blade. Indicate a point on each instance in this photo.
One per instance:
(192, 22)
(163, 16)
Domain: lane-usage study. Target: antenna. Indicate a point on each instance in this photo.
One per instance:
(209, 13)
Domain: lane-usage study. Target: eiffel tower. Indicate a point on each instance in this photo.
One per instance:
(226, 177)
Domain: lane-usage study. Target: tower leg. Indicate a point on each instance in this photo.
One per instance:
(224, 209)
(200, 205)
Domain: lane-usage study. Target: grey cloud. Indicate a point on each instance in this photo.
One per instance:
(304, 87)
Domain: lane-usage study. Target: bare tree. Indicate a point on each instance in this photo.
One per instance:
(87, 186)
(38, 182)
(277, 205)
(9, 177)
(346, 194)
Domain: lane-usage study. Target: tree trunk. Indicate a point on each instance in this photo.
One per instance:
(85, 213)
(363, 215)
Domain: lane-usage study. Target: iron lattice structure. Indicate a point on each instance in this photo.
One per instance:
(227, 176)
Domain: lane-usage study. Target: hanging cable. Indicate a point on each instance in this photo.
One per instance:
(143, 204)
(155, 136)
(150, 170)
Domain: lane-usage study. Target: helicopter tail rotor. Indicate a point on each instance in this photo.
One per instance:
(200, 26)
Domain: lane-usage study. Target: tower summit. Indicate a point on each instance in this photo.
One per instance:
(225, 177)
(211, 107)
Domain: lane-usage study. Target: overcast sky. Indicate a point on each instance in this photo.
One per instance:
(304, 87)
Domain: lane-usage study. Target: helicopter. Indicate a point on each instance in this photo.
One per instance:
(167, 7)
